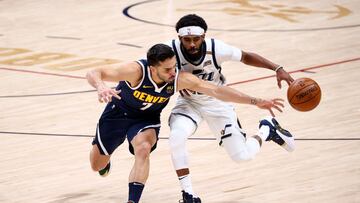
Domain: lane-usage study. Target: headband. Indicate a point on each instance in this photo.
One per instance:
(191, 30)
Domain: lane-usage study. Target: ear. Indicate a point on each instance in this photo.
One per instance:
(153, 69)
(203, 36)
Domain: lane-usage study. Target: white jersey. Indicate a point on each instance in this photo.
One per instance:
(200, 106)
(209, 66)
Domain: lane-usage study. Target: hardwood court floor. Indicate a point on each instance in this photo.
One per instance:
(48, 112)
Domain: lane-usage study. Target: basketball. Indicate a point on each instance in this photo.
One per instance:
(304, 94)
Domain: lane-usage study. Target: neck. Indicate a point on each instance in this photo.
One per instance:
(155, 78)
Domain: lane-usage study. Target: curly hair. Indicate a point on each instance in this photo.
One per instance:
(191, 20)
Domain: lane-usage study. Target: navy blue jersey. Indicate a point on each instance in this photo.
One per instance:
(147, 98)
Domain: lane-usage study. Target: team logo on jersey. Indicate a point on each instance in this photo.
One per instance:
(145, 97)
(184, 64)
(206, 63)
(147, 86)
(169, 89)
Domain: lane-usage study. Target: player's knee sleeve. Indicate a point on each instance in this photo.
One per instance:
(180, 129)
(239, 148)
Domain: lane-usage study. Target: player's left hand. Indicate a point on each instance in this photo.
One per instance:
(271, 104)
(283, 75)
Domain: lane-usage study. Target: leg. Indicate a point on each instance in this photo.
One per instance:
(181, 128)
(107, 139)
(142, 144)
(97, 160)
(222, 120)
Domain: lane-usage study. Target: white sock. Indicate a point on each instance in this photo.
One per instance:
(185, 182)
(264, 132)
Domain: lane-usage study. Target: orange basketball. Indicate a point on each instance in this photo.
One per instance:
(304, 94)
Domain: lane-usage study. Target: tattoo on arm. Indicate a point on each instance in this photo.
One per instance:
(253, 101)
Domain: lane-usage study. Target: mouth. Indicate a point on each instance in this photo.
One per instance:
(171, 78)
(193, 50)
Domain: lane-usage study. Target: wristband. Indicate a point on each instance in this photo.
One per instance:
(278, 68)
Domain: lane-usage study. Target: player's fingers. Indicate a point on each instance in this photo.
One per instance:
(289, 82)
(186, 92)
(278, 99)
(272, 113)
(278, 108)
(279, 83)
(279, 104)
(291, 78)
(116, 94)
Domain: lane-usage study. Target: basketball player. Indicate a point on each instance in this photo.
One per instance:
(204, 57)
(133, 109)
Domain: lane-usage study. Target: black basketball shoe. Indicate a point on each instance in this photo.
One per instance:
(188, 198)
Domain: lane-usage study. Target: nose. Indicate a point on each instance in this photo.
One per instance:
(173, 72)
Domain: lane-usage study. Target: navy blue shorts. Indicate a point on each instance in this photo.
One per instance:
(115, 125)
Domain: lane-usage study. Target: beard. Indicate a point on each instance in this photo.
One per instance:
(193, 51)
(166, 80)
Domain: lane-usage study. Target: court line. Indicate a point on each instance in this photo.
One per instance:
(86, 91)
(129, 45)
(42, 73)
(165, 138)
(47, 94)
(126, 14)
(61, 37)
(300, 70)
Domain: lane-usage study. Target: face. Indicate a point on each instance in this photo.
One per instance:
(166, 70)
(192, 43)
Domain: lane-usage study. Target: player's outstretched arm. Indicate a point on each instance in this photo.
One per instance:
(189, 81)
(256, 60)
(128, 71)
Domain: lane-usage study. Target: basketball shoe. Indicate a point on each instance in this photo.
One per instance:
(188, 198)
(277, 134)
(105, 171)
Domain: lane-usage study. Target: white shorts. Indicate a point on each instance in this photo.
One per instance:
(220, 116)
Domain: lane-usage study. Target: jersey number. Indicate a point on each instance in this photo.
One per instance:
(146, 106)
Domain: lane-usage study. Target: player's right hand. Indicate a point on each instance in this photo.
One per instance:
(185, 93)
(271, 104)
(105, 94)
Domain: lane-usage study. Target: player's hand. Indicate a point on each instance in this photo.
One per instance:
(281, 75)
(105, 94)
(185, 93)
(277, 104)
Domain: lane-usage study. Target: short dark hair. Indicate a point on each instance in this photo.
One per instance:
(191, 20)
(159, 53)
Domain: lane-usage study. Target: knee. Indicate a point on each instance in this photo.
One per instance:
(98, 161)
(143, 150)
(177, 138)
(95, 166)
(241, 156)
